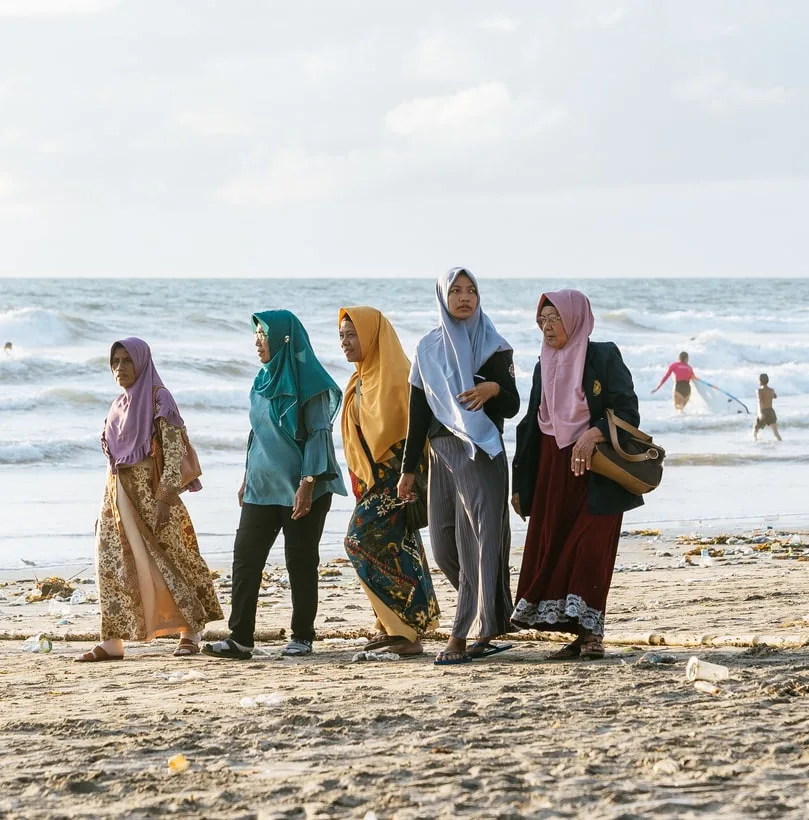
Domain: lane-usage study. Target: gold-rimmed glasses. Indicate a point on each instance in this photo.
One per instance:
(550, 319)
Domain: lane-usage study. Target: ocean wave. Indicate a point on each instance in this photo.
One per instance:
(36, 369)
(693, 322)
(73, 451)
(236, 442)
(49, 451)
(56, 398)
(707, 423)
(732, 459)
(41, 327)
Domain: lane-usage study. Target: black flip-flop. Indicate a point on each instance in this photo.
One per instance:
(485, 649)
(459, 656)
(232, 653)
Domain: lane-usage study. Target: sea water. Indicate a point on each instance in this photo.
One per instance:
(56, 386)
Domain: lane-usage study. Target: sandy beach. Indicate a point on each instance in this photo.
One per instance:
(510, 737)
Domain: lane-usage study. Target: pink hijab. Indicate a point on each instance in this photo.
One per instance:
(128, 428)
(563, 411)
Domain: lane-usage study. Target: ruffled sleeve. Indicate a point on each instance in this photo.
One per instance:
(319, 457)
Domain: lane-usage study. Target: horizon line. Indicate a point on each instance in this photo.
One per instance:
(398, 276)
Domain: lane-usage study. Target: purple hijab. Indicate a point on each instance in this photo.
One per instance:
(129, 426)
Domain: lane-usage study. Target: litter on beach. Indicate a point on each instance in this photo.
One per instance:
(273, 699)
(178, 764)
(180, 677)
(369, 655)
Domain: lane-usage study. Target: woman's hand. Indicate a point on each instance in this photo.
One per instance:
(404, 489)
(303, 500)
(583, 450)
(163, 511)
(515, 505)
(475, 398)
(240, 494)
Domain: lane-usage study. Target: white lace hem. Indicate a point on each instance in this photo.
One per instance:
(572, 609)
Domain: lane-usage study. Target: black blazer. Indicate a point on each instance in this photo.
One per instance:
(607, 383)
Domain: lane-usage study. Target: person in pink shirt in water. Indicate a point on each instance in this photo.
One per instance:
(683, 374)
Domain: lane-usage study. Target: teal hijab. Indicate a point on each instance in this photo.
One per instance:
(293, 375)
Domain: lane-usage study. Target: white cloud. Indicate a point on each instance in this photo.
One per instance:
(10, 137)
(292, 176)
(715, 91)
(475, 112)
(7, 186)
(601, 19)
(38, 8)
(498, 23)
(484, 112)
(212, 123)
(52, 146)
(442, 58)
(11, 203)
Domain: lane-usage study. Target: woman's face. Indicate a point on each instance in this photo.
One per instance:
(550, 323)
(350, 342)
(262, 345)
(123, 368)
(462, 299)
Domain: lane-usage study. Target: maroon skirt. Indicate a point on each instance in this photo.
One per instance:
(569, 553)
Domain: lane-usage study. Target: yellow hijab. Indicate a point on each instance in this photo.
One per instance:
(384, 394)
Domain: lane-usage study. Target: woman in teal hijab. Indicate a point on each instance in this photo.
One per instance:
(293, 375)
(290, 477)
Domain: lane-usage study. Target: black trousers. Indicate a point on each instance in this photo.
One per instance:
(259, 526)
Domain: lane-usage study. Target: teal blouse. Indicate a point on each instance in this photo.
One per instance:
(275, 463)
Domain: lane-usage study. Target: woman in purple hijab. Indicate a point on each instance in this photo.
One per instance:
(152, 580)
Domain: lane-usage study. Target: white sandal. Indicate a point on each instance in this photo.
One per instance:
(297, 647)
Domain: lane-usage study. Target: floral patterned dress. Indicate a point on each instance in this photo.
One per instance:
(150, 582)
(390, 561)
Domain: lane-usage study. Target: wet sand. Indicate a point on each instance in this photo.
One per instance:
(509, 737)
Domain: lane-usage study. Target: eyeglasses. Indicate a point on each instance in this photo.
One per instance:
(553, 319)
(260, 334)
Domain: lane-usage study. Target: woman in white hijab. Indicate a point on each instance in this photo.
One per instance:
(462, 387)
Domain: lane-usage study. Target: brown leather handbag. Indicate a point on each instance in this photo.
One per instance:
(190, 469)
(637, 465)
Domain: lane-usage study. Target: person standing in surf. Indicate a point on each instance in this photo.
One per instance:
(766, 415)
(683, 376)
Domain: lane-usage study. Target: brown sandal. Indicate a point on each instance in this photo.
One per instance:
(567, 653)
(383, 639)
(185, 648)
(592, 649)
(405, 647)
(97, 654)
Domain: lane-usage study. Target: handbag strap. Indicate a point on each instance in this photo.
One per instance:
(614, 421)
(183, 431)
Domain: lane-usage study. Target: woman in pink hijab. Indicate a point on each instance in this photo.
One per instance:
(152, 580)
(575, 515)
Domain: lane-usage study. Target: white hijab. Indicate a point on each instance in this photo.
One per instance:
(446, 361)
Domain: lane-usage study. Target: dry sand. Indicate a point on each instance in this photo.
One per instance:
(509, 737)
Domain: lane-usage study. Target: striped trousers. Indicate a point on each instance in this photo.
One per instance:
(470, 533)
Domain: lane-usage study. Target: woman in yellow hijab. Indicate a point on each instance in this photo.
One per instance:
(388, 558)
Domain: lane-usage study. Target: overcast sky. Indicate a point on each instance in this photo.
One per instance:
(374, 137)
